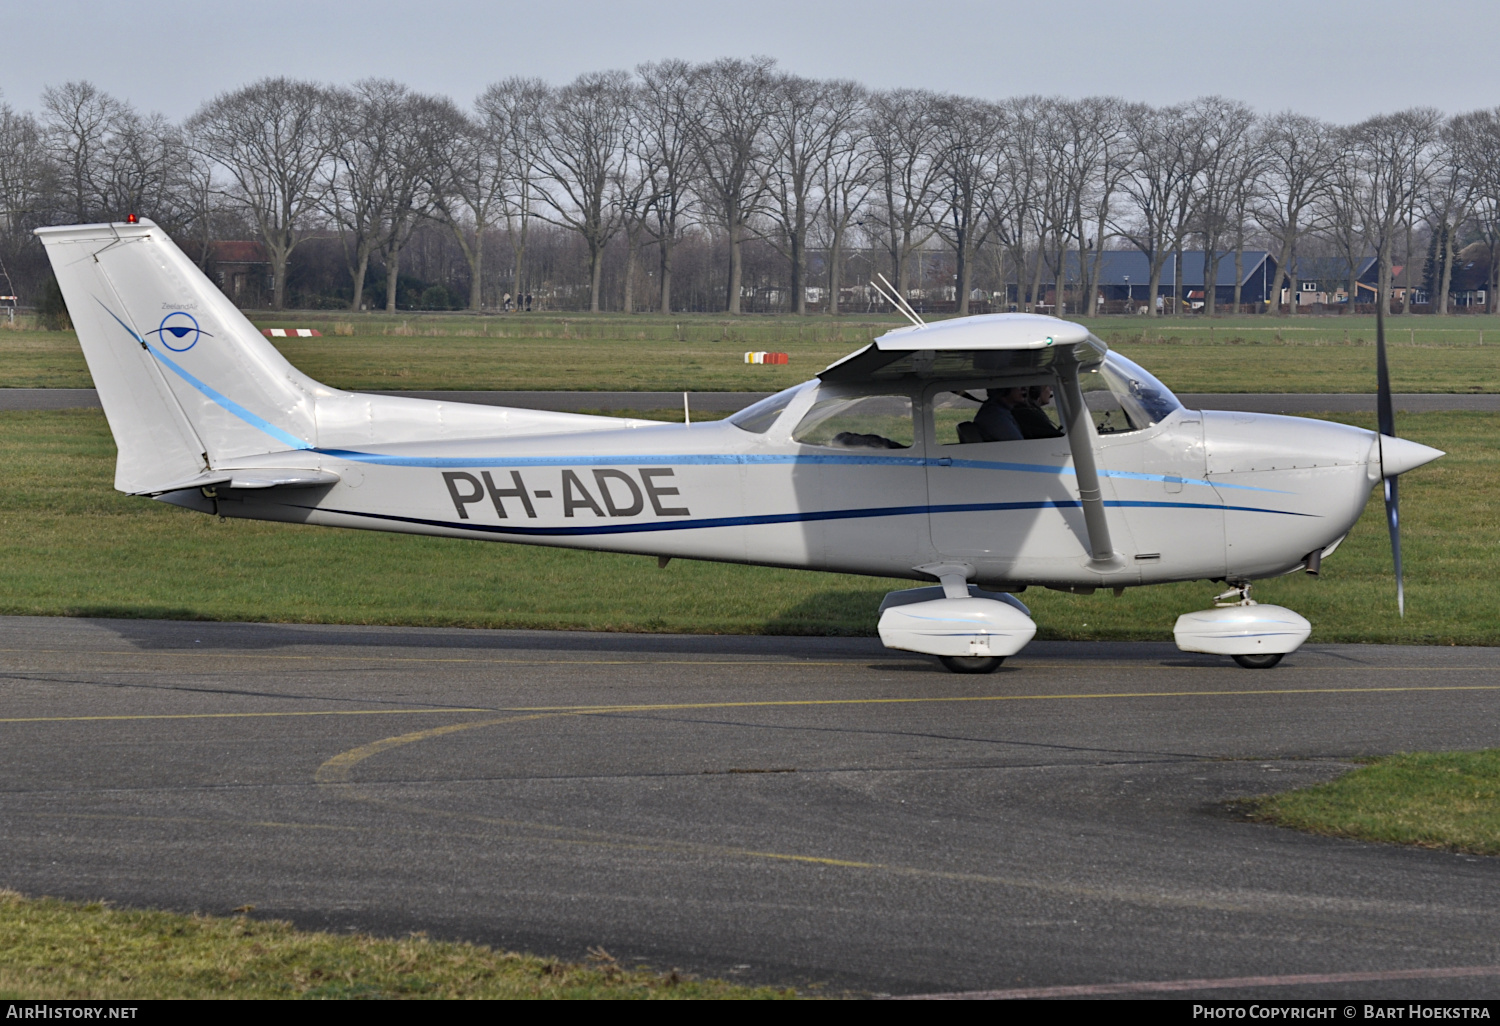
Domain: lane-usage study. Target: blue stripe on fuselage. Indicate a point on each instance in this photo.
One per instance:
(752, 459)
(775, 518)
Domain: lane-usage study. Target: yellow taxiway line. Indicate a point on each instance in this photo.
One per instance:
(763, 704)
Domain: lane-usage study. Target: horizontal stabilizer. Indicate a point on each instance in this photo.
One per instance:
(259, 478)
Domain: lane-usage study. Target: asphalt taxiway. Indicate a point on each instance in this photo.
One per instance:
(799, 811)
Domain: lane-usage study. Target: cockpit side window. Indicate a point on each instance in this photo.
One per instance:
(995, 415)
(858, 422)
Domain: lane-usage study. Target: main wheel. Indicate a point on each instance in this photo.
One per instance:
(1258, 662)
(972, 664)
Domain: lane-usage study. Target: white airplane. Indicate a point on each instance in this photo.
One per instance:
(887, 464)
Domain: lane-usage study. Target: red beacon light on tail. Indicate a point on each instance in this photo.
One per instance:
(132, 219)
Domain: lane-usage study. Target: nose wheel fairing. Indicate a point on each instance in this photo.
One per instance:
(1256, 635)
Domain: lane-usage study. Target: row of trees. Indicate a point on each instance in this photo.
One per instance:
(743, 153)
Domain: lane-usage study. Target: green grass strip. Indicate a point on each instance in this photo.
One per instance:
(52, 949)
(1448, 800)
(648, 352)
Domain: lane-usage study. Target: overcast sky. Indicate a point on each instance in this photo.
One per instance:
(1338, 59)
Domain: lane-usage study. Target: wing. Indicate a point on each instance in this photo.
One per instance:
(968, 348)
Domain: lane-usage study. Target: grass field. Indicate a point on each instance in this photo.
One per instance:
(66, 950)
(71, 545)
(1432, 799)
(701, 353)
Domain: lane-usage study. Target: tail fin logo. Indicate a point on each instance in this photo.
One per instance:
(179, 331)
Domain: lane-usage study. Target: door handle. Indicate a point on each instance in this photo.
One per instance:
(945, 461)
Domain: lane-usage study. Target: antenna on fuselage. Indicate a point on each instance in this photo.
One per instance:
(891, 296)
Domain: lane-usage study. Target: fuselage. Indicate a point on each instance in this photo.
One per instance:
(1202, 494)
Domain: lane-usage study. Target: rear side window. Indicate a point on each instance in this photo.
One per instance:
(858, 422)
(757, 418)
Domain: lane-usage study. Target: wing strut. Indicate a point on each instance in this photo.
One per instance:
(1081, 441)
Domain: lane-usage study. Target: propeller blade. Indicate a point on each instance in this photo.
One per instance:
(1384, 414)
(1387, 418)
(1393, 522)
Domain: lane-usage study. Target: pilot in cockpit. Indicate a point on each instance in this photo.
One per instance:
(996, 417)
(1013, 414)
(1032, 414)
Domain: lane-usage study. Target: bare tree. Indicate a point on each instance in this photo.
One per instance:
(202, 197)
(362, 123)
(663, 114)
(585, 125)
(1448, 198)
(469, 186)
(1228, 160)
(846, 181)
(1245, 192)
(410, 168)
(1163, 185)
(1480, 139)
(808, 120)
(25, 171)
(1095, 157)
(512, 114)
(25, 183)
(971, 138)
(1301, 156)
(1022, 174)
(1048, 213)
(1392, 156)
(79, 121)
(1343, 220)
(732, 108)
(1425, 162)
(903, 133)
(138, 170)
(635, 195)
(272, 141)
(733, 151)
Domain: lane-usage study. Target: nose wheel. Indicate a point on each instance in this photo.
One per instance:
(1259, 662)
(972, 664)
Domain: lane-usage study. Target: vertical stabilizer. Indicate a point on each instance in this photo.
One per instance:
(185, 380)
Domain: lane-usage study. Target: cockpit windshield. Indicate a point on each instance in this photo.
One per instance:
(1124, 396)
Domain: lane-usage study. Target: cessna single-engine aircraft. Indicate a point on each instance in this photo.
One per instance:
(891, 462)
